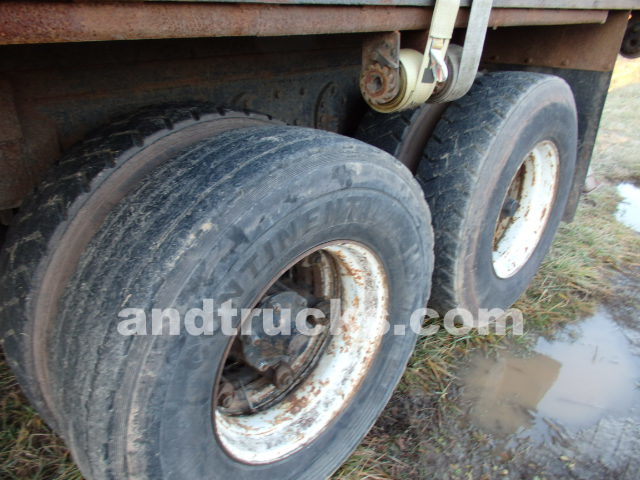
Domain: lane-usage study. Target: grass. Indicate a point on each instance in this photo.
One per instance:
(576, 274)
(28, 448)
(616, 151)
(411, 435)
(574, 278)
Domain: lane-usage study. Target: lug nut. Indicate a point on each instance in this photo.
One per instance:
(312, 320)
(325, 307)
(510, 207)
(297, 344)
(283, 376)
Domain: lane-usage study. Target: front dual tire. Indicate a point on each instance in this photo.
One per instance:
(224, 219)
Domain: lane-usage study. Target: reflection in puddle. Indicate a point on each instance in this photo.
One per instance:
(569, 383)
(628, 211)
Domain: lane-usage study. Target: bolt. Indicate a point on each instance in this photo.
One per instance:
(277, 307)
(226, 395)
(283, 376)
(510, 207)
(262, 366)
(312, 320)
(325, 307)
(375, 84)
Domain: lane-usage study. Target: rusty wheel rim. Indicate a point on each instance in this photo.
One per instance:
(526, 209)
(293, 414)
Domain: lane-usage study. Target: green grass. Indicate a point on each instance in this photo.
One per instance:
(619, 135)
(28, 448)
(575, 275)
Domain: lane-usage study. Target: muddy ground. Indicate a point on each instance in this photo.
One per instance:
(586, 422)
(567, 408)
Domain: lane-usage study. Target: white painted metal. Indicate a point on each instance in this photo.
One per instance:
(539, 177)
(300, 417)
(471, 51)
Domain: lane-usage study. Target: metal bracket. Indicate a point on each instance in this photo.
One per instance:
(471, 52)
(380, 76)
(439, 68)
(389, 88)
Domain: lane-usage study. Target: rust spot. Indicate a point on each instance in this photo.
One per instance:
(44, 22)
(30, 22)
(544, 212)
(296, 404)
(356, 274)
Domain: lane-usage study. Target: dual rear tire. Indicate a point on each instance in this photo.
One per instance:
(169, 208)
(242, 201)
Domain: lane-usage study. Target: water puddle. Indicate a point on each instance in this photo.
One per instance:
(628, 211)
(587, 378)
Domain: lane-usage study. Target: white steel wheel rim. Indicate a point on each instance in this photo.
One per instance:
(298, 419)
(515, 243)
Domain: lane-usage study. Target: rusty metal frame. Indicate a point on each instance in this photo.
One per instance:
(41, 22)
(583, 47)
(51, 95)
(552, 4)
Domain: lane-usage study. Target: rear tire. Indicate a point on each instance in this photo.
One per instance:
(56, 223)
(220, 220)
(468, 165)
(631, 42)
(477, 153)
(402, 134)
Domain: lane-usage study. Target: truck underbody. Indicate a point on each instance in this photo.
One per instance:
(69, 68)
(164, 154)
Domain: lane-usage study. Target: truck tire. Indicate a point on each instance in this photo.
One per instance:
(54, 226)
(631, 42)
(402, 134)
(250, 215)
(507, 148)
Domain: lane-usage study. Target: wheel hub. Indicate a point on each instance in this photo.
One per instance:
(273, 356)
(265, 349)
(525, 209)
(276, 394)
